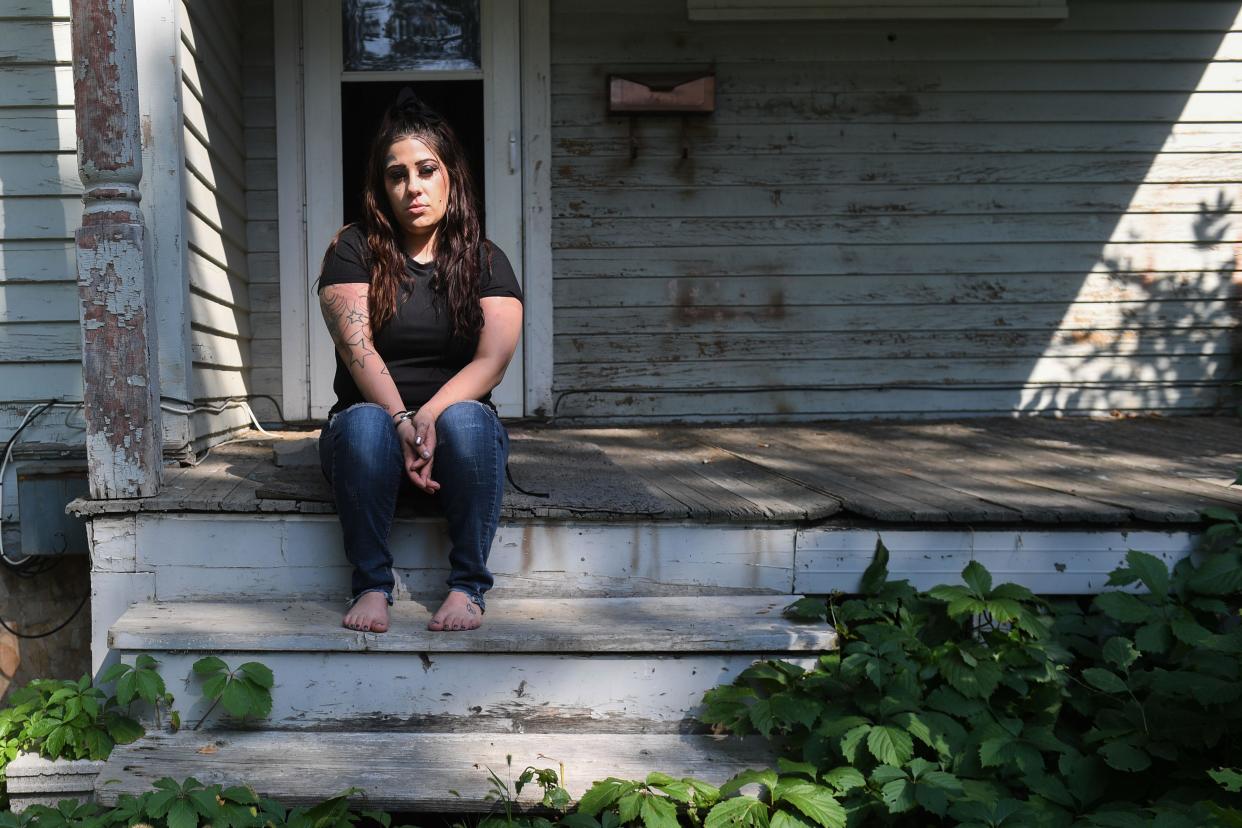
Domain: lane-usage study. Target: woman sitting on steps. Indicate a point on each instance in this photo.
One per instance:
(425, 315)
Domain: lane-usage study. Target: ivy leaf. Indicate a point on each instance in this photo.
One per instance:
(740, 810)
(890, 745)
(1188, 631)
(1154, 638)
(761, 716)
(784, 819)
(148, 685)
(124, 730)
(977, 578)
(126, 688)
(898, 795)
(209, 664)
(1124, 756)
(788, 766)
(604, 794)
(845, 778)
(766, 778)
(1218, 575)
(815, 801)
(658, 812)
(789, 709)
(214, 686)
(1124, 607)
(851, 740)
(1120, 652)
(259, 673)
(113, 673)
(1105, 680)
(236, 699)
(807, 609)
(876, 573)
(1152, 571)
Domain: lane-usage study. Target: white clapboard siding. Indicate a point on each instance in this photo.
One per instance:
(215, 211)
(40, 207)
(259, 108)
(898, 219)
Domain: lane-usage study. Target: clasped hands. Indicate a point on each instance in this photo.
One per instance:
(418, 448)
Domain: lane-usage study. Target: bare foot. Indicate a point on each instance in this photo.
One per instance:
(369, 613)
(457, 612)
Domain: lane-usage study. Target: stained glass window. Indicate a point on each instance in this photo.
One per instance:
(397, 35)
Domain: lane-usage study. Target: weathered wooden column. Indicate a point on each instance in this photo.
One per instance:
(120, 372)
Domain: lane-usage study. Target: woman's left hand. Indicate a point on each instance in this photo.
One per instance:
(424, 452)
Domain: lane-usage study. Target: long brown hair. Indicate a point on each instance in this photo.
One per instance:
(458, 236)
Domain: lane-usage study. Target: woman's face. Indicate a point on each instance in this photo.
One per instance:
(417, 186)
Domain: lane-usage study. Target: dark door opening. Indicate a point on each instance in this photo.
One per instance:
(362, 107)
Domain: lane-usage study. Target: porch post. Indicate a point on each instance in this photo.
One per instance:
(119, 370)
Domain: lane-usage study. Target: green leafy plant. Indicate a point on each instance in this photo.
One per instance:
(555, 797)
(142, 681)
(656, 802)
(62, 719)
(245, 692)
(982, 705)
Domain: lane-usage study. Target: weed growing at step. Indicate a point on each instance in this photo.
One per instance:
(59, 719)
(246, 691)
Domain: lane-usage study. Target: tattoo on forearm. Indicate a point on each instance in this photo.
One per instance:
(349, 324)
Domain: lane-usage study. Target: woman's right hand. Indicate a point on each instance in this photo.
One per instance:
(411, 452)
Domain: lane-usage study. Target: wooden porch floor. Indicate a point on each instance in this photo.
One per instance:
(996, 471)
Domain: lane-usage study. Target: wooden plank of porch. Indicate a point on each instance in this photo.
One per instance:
(1001, 471)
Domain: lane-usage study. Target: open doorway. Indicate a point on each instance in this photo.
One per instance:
(362, 107)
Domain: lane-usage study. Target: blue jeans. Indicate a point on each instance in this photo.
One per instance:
(361, 457)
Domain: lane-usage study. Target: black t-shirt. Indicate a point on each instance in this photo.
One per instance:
(416, 344)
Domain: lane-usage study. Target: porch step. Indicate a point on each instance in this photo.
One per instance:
(416, 771)
(636, 665)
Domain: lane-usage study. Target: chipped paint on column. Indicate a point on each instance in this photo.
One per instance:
(121, 383)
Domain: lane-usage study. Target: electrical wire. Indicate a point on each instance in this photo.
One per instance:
(55, 629)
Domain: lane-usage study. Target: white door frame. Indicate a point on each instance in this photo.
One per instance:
(518, 182)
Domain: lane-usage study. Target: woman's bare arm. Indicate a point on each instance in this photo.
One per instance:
(349, 323)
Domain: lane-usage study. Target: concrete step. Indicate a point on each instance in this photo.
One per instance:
(416, 771)
(537, 664)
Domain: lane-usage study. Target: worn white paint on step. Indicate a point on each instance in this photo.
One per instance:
(1049, 562)
(511, 692)
(449, 772)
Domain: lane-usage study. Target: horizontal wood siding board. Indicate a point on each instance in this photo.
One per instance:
(35, 41)
(40, 217)
(211, 244)
(41, 381)
(979, 200)
(963, 169)
(634, 406)
(39, 174)
(1010, 371)
(218, 350)
(596, 38)
(227, 184)
(1140, 15)
(703, 139)
(657, 349)
(201, 37)
(50, 85)
(41, 301)
(37, 261)
(40, 342)
(944, 107)
(217, 283)
(815, 75)
(774, 318)
(749, 231)
(891, 258)
(754, 290)
(35, 130)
